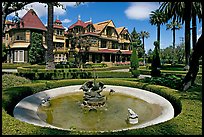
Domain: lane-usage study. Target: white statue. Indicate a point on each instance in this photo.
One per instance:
(46, 102)
(132, 116)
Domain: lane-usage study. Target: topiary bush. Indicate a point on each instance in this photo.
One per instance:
(134, 63)
(156, 64)
(171, 81)
(11, 80)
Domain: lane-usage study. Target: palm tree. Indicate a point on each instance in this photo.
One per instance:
(182, 11)
(143, 35)
(50, 56)
(174, 25)
(157, 18)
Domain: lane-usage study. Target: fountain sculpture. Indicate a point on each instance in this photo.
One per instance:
(132, 116)
(92, 94)
(46, 102)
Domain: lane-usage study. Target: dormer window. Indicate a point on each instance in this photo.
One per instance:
(59, 32)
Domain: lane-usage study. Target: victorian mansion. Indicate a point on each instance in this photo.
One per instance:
(102, 41)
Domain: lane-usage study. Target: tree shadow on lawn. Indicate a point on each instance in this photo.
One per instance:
(194, 93)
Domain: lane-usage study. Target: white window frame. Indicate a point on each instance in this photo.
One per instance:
(17, 57)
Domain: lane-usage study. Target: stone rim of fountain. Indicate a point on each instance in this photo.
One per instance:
(30, 104)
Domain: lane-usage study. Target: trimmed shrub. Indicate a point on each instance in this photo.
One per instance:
(109, 74)
(171, 81)
(10, 80)
(135, 73)
(13, 65)
(156, 65)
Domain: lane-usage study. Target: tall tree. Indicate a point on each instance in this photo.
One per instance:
(135, 38)
(36, 51)
(50, 56)
(174, 25)
(156, 64)
(10, 7)
(143, 35)
(182, 11)
(134, 62)
(157, 18)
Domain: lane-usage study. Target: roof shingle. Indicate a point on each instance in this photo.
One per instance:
(31, 21)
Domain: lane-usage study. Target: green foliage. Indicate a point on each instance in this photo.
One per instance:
(36, 51)
(3, 52)
(156, 65)
(111, 74)
(135, 73)
(13, 66)
(10, 80)
(167, 54)
(171, 81)
(134, 63)
(95, 65)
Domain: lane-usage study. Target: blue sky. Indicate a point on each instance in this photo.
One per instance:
(127, 14)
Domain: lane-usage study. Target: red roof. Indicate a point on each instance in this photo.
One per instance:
(55, 26)
(115, 51)
(31, 21)
(80, 23)
(58, 21)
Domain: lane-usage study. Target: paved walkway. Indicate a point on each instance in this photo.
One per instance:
(127, 70)
(9, 70)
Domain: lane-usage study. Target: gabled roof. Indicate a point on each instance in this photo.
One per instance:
(101, 25)
(80, 23)
(120, 29)
(58, 21)
(58, 25)
(31, 21)
(124, 31)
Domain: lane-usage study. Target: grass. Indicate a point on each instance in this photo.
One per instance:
(188, 122)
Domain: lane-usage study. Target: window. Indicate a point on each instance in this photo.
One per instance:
(108, 32)
(20, 36)
(103, 44)
(19, 56)
(59, 32)
(114, 45)
(7, 37)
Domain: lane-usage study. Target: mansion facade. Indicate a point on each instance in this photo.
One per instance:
(102, 42)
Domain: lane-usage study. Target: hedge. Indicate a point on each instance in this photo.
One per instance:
(13, 65)
(109, 74)
(187, 122)
(12, 96)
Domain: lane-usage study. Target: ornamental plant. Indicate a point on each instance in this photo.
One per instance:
(156, 64)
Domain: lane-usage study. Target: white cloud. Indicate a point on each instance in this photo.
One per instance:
(66, 21)
(41, 9)
(140, 10)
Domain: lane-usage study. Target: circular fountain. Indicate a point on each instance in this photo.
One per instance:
(115, 108)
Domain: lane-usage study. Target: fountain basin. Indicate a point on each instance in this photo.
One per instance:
(26, 110)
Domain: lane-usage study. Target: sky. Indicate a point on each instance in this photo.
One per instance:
(127, 14)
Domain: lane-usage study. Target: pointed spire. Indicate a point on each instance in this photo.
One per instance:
(90, 19)
(57, 17)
